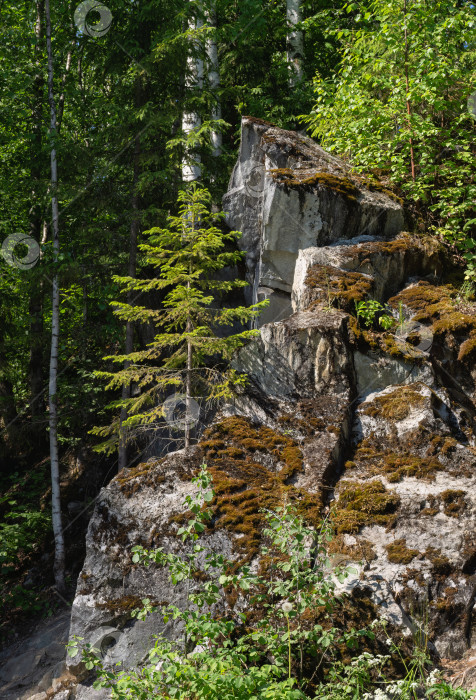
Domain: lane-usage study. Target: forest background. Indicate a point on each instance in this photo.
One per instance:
(149, 95)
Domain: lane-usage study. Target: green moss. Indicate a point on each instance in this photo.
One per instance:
(362, 504)
(467, 350)
(376, 186)
(399, 553)
(365, 339)
(392, 464)
(439, 306)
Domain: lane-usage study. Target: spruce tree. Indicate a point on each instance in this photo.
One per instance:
(189, 354)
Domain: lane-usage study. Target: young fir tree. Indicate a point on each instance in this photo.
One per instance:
(188, 354)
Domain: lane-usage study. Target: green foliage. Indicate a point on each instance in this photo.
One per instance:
(189, 349)
(368, 310)
(405, 76)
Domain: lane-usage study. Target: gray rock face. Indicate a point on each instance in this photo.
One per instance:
(377, 431)
(129, 512)
(286, 194)
(404, 439)
(27, 671)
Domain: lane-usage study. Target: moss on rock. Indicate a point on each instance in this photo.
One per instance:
(364, 503)
(297, 179)
(399, 553)
(338, 287)
(396, 405)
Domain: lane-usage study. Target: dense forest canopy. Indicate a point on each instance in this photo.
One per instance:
(148, 95)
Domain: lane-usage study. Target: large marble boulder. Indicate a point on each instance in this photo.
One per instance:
(287, 194)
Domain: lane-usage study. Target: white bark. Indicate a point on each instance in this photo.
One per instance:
(52, 394)
(191, 169)
(214, 81)
(295, 41)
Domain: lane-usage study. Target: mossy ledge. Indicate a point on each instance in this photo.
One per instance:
(297, 179)
(396, 405)
(440, 307)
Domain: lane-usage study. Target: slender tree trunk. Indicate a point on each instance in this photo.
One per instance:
(188, 384)
(295, 41)
(131, 271)
(59, 564)
(214, 80)
(8, 412)
(63, 84)
(36, 378)
(407, 83)
(191, 121)
(188, 369)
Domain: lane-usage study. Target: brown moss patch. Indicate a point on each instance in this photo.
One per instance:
(467, 350)
(385, 341)
(454, 503)
(124, 605)
(393, 465)
(396, 405)
(251, 466)
(338, 287)
(362, 504)
(296, 179)
(376, 186)
(399, 553)
(439, 306)
(441, 564)
(363, 550)
(144, 475)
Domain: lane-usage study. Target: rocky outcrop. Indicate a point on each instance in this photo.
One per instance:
(375, 426)
(286, 194)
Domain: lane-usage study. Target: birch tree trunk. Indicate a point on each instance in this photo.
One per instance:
(295, 41)
(407, 85)
(35, 369)
(214, 80)
(191, 169)
(52, 394)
